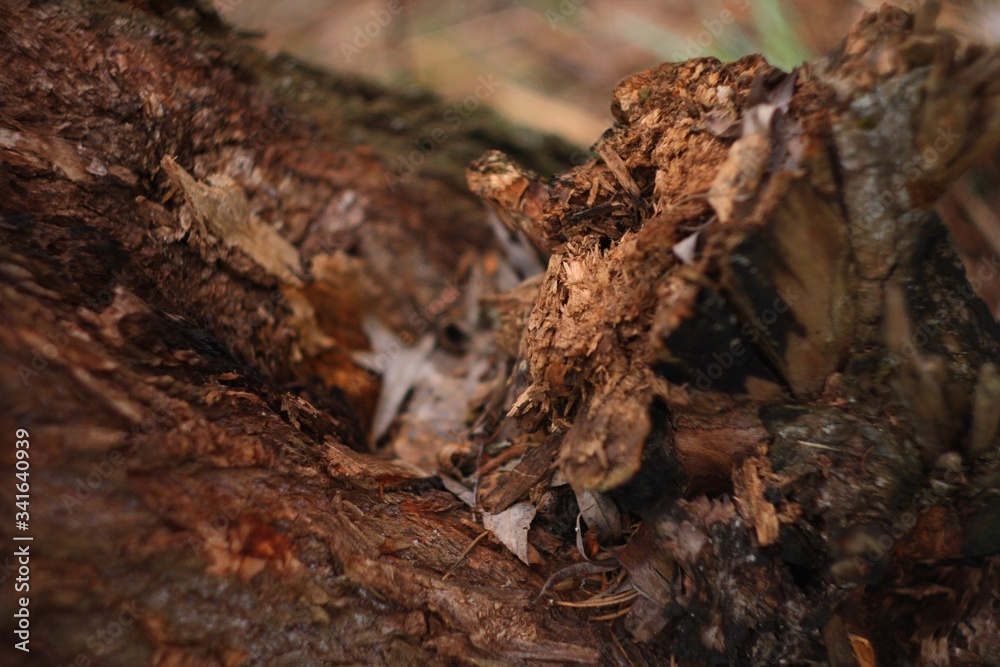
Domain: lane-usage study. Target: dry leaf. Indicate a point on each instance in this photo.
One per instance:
(685, 249)
(863, 651)
(650, 569)
(439, 402)
(601, 514)
(401, 368)
(722, 123)
(459, 490)
(511, 528)
(740, 176)
(223, 208)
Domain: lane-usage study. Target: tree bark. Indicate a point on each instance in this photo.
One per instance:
(184, 372)
(226, 277)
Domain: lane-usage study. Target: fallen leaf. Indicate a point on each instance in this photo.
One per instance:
(223, 208)
(740, 176)
(685, 249)
(650, 569)
(459, 490)
(601, 514)
(511, 528)
(401, 368)
(722, 123)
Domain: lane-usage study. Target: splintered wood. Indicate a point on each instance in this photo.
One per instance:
(620, 320)
(724, 343)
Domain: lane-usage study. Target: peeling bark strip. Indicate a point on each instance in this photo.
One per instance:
(736, 281)
(750, 336)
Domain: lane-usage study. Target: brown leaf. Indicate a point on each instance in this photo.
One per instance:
(222, 207)
(601, 514)
(649, 568)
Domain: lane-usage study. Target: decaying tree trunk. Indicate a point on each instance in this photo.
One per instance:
(752, 334)
(753, 361)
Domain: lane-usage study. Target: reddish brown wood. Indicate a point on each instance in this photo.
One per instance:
(197, 238)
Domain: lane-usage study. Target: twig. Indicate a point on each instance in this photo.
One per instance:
(620, 647)
(817, 445)
(464, 554)
(613, 615)
(601, 602)
(584, 569)
(864, 459)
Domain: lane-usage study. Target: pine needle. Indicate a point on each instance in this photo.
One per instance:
(465, 553)
(598, 601)
(613, 615)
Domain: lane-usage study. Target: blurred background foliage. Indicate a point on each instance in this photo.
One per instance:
(552, 64)
(557, 61)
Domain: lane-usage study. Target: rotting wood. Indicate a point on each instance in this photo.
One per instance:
(826, 468)
(216, 389)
